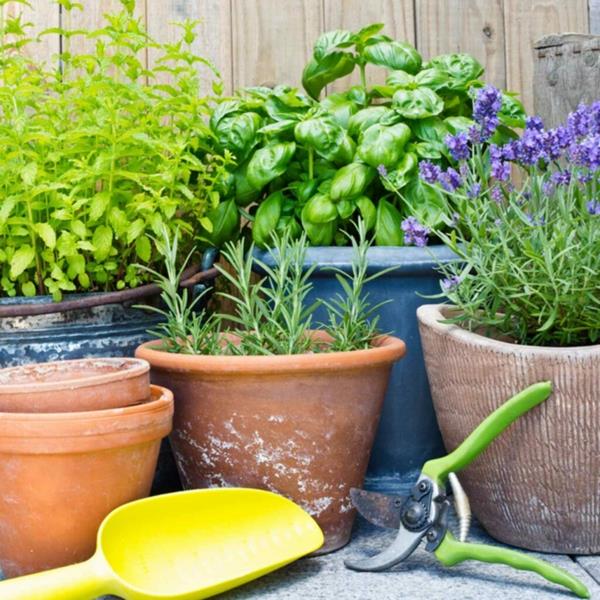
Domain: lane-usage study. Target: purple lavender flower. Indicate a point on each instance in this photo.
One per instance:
(496, 194)
(382, 170)
(561, 178)
(414, 233)
(500, 170)
(458, 145)
(593, 207)
(535, 123)
(474, 190)
(539, 221)
(450, 179)
(548, 188)
(587, 152)
(429, 172)
(474, 134)
(449, 284)
(486, 107)
(530, 149)
(579, 121)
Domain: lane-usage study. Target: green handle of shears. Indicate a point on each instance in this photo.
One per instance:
(451, 552)
(488, 430)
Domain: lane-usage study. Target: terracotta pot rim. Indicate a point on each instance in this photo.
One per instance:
(387, 350)
(125, 368)
(430, 315)
(159, 398)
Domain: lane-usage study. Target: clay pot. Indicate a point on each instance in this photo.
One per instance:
(300, 425)
(536, 485)
(62, 473)
(74, 385)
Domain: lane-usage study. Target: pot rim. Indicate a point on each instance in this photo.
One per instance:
(388, 349)
(130, 368)
(429, 315)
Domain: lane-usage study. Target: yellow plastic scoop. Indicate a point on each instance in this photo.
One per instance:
(182, 546)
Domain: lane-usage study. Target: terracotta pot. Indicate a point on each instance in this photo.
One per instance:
(300, 425)
(62, 473)
(536, 485)
(74, 385)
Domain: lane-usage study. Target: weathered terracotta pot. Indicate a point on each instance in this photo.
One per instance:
(62, 473)
(74, 385)
(300, 425)
(536, 485)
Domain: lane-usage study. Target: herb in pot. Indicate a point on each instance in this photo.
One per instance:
(529, 250)
(313, 164)
(271, 316)
(100, 156)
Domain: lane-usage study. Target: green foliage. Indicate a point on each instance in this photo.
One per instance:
(100, 155)
(271, 316)
(350, 154)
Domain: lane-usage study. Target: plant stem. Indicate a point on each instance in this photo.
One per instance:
(311, 166)
(363, 76)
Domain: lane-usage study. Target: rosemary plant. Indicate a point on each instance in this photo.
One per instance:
(270, 316)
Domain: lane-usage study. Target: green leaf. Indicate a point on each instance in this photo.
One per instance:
(381, 145)
(512, 113)
(393, 55)
(425, 202)
(331, 40)
(269, 162)
(143, 248)
(29, 173)
(102, 240)
(6, 207)
(417, 104)
(318, 74)
(367, 210)
(135, 229)
(98, 205)
(28, 289)
(20, 260)
(388, 225)
(45, 231)
(266, 219)
(225, 219)
(462, 69)
(366, 117)
(351, 180)
(319, 209)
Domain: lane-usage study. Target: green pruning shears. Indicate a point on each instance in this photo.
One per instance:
(423, 514)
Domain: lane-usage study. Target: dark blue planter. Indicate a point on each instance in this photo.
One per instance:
(408, 432)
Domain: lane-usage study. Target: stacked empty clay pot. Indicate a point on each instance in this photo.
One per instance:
(77, 439)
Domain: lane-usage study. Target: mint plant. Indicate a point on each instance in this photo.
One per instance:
(100, 155)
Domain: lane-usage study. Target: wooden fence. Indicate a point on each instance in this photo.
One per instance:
(266, 41)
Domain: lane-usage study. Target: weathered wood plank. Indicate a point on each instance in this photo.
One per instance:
(397, 15)
(566, 72)
(472, 26)
(41, 15)
(214, 30)
(527, 22)
(595, 16)
(273, 39)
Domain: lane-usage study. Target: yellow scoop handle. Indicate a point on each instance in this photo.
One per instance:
(74, 582)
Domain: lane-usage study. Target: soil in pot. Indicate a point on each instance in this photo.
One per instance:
(535, 486)
(299, 425)
(62, 473)
(74, 385)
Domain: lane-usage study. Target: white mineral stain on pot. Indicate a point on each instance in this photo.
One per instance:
(317, 506)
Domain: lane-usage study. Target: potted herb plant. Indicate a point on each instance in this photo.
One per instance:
(313, 163)
(97, 157)
(525, 307)
(277, 401)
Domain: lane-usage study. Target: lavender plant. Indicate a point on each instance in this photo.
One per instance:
(99, 154)
(529, 250)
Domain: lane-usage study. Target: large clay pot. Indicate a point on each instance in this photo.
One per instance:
(74, 385)
(536, 485)
(62, 473)
(300, 425)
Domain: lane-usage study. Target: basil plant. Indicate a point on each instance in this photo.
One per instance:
(304, 162)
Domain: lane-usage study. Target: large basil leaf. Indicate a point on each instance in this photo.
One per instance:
(462, 69)
(245, 192)
(425, 202)
(319, 209)
(345, 208)
(241, 136)
(223, 110)
(340, 108)
(400, 79)
(512, 113)
(367, 210)
(417, 104)
(366, 33)
(269, 162)
(402, 174)
(366, 117)
(320, 234)
(393, 55)
(326, 137)
(458, 124)
(436, 79)
(266, 219)
(285, 103)
(381, 145)
(388, 225)
(351, 180)
(432, 129)
(332, 40)
(317, 74)
(225, 220)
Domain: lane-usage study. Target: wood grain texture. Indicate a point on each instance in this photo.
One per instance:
(214, 30)
(566, 73)
(397, 15)
(594, 16)
(527, 22)
(472, 26)
(273, 39)
(42, 15)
